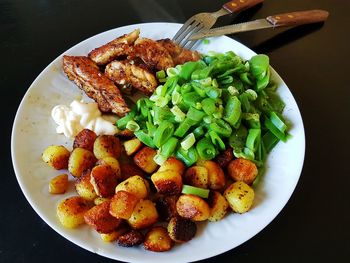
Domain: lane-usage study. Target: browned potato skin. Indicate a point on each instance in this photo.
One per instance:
(172, 164)
(130, 169)
(80, 160)
(84, 187)
(216, 175)
(197, 176)
(125, 134)
(107, 145)
(85, 139)
(157, 239)
(224, 158)
(114, 235)
(240, 196)
(192, 207)
(218, 206)
(168, 182)
(132, 146)
(166, 207)
(58, 184)
(135, 185)
(56, 156)
(99, 200)
(104, 180)
(71, 211)
(144, 215)
(242, 170)
(144, 159)
(181, 230)
(122, 204)
(130, 238)
(113, 163)
(100, 219)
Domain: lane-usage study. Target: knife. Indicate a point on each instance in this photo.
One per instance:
(281, 20)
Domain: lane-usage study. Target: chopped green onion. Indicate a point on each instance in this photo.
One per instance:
(168, 148)
(164, 131)
(221, 127)
(178, 113)
(205, 41)
(171, 72)
(160, 74)
(233, 91)
(232, 111)
(275, 119)
(189, 157)
(208, 106)
(187, 69)
(253, 139)
(192, 190)
(216, 140)
(132, 126)
(145, 138)
(206, 149)
(188, 141)
(195, 115)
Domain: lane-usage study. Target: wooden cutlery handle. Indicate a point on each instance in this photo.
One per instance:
(298, 18)
(240, 5)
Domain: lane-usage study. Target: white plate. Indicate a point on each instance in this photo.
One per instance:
(34, 130)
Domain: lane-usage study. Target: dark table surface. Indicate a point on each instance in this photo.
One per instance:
(312, 60)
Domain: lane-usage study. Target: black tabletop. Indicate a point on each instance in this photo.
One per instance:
(313, 60)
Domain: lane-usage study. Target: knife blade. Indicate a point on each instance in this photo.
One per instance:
(280, 20)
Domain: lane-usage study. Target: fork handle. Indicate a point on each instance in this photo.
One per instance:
(240, 5)
(298, 18)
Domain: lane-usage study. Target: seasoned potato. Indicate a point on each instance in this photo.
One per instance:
(168, 182)
(144, 159)
(144, 215)
(113, 163)
(172, 164)
(83, 186)
(125, 134)
(99, 200)
(132, 146)
(56, 156)
(242, 170)
(135, 185)
(71, 211)
(100, 219)
(85, 139)
(218, 206)
(130, 238)
(240, 196)
(224, 158)
(80, 160)
(130, 169)
(166, 207)
(114, 235)
(107, 145)
(58, 184)
(192, 207)
(197, 176)
(123, 204)
(157, 239)
(216, 175)
(104, 180)
(181, 230)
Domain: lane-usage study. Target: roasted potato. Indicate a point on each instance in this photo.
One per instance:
(130, 169)
(216, 175)
(224, 158)
(58, 184)
(100, 219)
(56, 156)
(80, 160)
(168, 182)
(123, 204)
(157, 239)
(181, 230)
(104, 180)
(135, 185)
(144, 215)
(218, 206)
(71, 211)
(240, 196)
(166, 207)
(125, 134)
(99, 200)
(114, 235)
(84, 187)
(242, 170)
(197, 176)
(85, 139)
(132, 146)
(113, 163)
(144, 159)
(172, 164)
(107, 145)
(130, 238)
(192, 207)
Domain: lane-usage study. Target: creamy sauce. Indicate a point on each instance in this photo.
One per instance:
(80, 115)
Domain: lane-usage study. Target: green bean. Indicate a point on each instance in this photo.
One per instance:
(168, 148)
(221, 127)
(253, 139)
(217, 141)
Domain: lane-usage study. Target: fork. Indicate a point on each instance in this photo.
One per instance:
(207, 20)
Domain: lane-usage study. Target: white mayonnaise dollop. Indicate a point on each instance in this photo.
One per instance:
(80, 115)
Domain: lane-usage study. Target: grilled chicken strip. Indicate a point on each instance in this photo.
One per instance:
(118, 47)
(125, 72)
(86, 74)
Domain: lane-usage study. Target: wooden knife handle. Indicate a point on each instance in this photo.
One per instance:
(298, 18)
(240, 5)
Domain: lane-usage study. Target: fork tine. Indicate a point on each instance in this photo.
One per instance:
(185, 40)
(187, 31)
(184, 27)
(191, 44)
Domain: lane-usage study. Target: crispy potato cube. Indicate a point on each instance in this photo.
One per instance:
(192, 207)
(168, 182)
(56, 156)
(114, 235)
(181, 229)
(197, 176)
(157, 239)
(123, 204)
(240, 196)
(113, 163)
(80, 160)
(132, 146)
(99, 200)
(107, 145)
(130, 238)
(104, 180)
(218, 206)
(224, 158)
(125, 134)
(216, 176)
(100, 219)
(71, 211)
(242, 170)
(135, 185)
(84, 187)
(144, 159)
(130, 169)
(58, 184)
(85, 139)
(172, 164)
(144, 215)
(166, 207)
